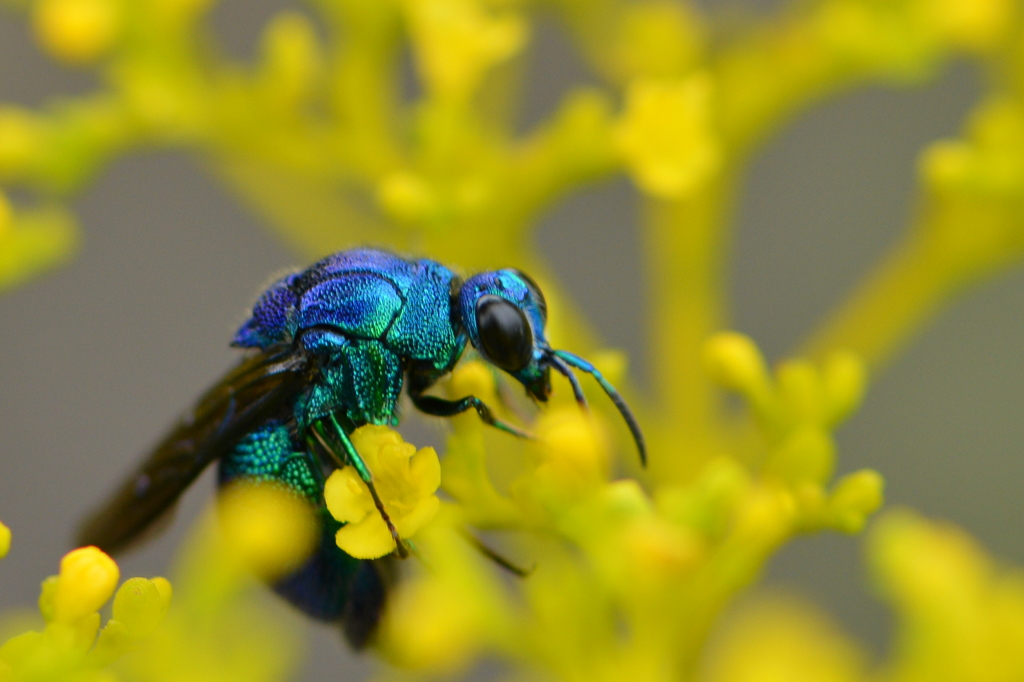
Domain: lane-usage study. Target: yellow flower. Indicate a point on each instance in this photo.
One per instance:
(76, 30)
(575, 454)
(405, 479)
(20, 137)
(5, 540)
(87, 580)
(458, 41)
(269, 527)
(779, 639)
(666, 135)
(974, 24)
(657, 39)
(960, 613)
(71, 646)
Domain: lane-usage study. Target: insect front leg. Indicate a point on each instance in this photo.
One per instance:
(352, 457)
(439, 407)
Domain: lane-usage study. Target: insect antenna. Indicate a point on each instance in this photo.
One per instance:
(566, 371)
(620, 403)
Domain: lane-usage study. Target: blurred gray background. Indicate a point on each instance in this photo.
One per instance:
(98, 358)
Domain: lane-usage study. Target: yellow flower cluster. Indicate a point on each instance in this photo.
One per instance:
(628, 571)
(958, 617)
(72, 646)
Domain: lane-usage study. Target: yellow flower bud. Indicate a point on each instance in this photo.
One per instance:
(778, 639)
(843, 378)
(5, 540)
(855, 498)
(47, 592)
(575, 452)
(437, 627)
(734, 361)
(291, 57)
(76, 30)
(458, 41)
(766, 517)
(666, 135)
(946, 164)
(658, 551)
(405, 480)
(800, 389)
(139, 606)
(974, 24)
(406, 197)
(19, 139)
(267, 526)
(86, 581)
(710, 503)
(808, 454)
(163, 587)
(659, 39)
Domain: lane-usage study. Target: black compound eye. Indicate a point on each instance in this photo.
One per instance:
(504, 333)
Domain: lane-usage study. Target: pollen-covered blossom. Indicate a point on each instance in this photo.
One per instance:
(404, 477)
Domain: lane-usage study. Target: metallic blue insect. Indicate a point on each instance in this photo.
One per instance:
(329, 349)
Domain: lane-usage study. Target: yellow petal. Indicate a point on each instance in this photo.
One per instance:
(368, 539)
(347, 497)
(425, 471)
(420, 516)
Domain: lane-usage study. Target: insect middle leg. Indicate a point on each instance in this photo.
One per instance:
(439, 407)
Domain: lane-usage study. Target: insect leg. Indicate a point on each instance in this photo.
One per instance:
(495, 557)
(439, 407)
(353, 458)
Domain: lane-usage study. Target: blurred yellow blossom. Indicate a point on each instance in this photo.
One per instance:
(974, 24)
(406, 480)
(270, 528)
(457, 41)
(77, 30)
(666, 135)
(5, 540)
(657, 39)
(777, 639)
(574, 452)
(960, 615)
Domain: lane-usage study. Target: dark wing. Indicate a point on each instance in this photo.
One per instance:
(250, 393)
